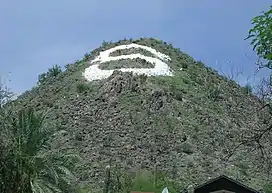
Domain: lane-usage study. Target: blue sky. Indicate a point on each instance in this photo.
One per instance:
(37, 34)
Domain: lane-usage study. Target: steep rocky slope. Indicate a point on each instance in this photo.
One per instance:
(186, 124)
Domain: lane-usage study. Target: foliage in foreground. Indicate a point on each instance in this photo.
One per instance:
(27, 165)
(261, 37)
(117, 181)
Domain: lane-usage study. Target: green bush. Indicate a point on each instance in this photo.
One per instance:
(214, 93)
(48, 103)
(248, 89)
(82, 87)
(86, 57)
(268, 188)
(52, 72)
(105, 43)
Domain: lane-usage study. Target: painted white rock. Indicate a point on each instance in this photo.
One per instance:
(160, 67)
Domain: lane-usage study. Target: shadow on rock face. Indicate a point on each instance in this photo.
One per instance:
(120, 82)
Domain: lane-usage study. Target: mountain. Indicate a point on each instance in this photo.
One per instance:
(171, 111)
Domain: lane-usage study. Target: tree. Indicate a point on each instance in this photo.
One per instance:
(264, 90)
(52, 72)
(261, 38)
(5, 94)
(27, 164)
(55, 70)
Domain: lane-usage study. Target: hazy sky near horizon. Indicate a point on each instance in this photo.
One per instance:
(37, 34)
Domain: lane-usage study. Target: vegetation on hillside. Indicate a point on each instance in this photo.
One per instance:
(52, 72)
(123, 63)
(172, 123)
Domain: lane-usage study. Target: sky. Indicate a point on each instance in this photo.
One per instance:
(36, 34)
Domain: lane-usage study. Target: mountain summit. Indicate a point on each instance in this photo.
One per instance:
(142, 103)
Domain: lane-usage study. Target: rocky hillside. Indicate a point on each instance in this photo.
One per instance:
(188, 124)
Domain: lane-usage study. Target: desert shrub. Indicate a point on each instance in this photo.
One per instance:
(52, 72)
(82, 87)
(247, 89)
(268, 188)
(48, 102)
(214, 93)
